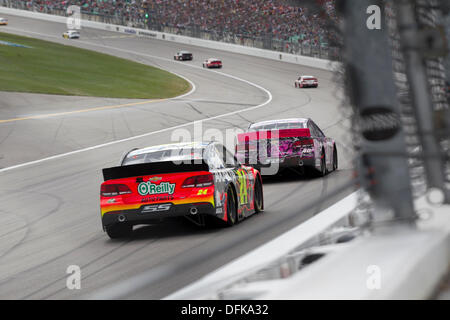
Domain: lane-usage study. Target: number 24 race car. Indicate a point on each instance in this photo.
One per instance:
(195, 180)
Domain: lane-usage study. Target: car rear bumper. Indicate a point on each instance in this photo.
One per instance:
(137, 216)
(287, 162)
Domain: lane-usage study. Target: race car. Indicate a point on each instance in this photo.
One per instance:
(289, 143)
(3, 22)
(306, 81)
(200, 181)
(212, 63)
(183, 55)
(71, 34)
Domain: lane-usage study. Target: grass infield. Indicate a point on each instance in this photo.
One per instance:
(47, 67)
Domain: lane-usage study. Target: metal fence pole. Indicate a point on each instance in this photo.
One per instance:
(421, 96)
(368, 61)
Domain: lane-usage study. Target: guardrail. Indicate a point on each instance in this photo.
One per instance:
(327, 257)
(145, 33)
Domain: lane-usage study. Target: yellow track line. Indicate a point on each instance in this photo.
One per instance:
(80, 111)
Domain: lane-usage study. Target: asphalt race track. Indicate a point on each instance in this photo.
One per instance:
(49, 213)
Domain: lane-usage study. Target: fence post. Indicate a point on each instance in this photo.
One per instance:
(421, 97)
(382, 164)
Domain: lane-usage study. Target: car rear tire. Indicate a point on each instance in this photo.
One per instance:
(323, 165)
(231, 210)
(119, 230)
(335, 159)
(258, 197)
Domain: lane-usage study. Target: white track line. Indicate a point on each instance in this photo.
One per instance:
(269, 94)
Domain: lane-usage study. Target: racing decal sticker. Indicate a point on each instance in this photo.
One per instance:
(243, 186)
(148, 188)
(156, 208)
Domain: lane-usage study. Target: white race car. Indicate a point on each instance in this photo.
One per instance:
(3, 22)
(71, 34)
(306, 81)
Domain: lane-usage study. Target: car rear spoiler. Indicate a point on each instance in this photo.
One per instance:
(273, 134)
(145, 169)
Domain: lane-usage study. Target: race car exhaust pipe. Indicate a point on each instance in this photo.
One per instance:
(193, 211)
(121, 218)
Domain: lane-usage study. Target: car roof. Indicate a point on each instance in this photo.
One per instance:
(307, 76)
(180, 145)
(183, 51)
(280, 121)
(213, 59)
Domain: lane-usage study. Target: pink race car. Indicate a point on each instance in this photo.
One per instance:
(288, 143)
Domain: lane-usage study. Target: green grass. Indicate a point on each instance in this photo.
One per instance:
(52, 68)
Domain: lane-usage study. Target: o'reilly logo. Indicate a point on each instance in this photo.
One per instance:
(148, 188)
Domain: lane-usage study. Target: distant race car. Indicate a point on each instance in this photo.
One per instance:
(3, 22)
(212, 63)
(183, 55)
(306, 81)
(192, 180)
(71, 34)
(289, 143)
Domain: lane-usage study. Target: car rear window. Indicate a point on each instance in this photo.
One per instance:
(165, 155)
(278, 126)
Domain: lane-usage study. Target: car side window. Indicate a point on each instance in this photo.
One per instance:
(226, 156)
(319, 132)
(214, 159)
(230, 159)
(312, 129)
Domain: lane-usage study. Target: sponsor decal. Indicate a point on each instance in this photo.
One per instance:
(155, 179)
(148, 34)
(148, 188)
(379, 124)
(158, 198)
(132, 31)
